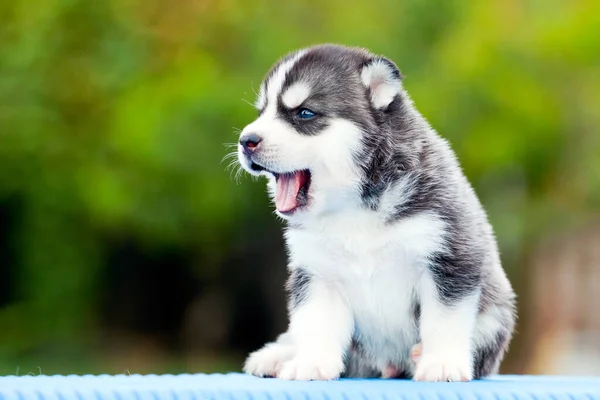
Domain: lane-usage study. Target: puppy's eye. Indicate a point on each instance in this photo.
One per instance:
(305, 113)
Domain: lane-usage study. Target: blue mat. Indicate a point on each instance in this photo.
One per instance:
(238, 386)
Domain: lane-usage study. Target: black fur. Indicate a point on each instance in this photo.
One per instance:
(455, 275)
(297, 287)
(307, 127)
(487, 358)
(323, 68)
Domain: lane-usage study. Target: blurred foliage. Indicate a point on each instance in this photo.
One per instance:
(114, 115)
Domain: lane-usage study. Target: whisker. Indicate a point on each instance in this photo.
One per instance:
(230, 156)
(238, 174)
(232, 147)
(232, 163)
(253, 89)
(234, 167)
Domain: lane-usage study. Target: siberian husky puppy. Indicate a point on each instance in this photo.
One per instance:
(394, 267)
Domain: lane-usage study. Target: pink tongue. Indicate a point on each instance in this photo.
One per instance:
(288, 186)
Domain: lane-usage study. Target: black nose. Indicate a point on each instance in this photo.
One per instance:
(250, 142)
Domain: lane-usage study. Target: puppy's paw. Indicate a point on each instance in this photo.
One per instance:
(440, 368)
(415, 353)
(314, 367)
(267, 361)
(391, 372)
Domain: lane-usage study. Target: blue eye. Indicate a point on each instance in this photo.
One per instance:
(305, 113)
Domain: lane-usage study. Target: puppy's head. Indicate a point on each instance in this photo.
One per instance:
(318, 109)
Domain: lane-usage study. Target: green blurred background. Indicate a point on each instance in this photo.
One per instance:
(126, 245)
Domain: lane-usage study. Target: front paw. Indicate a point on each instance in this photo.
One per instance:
(317, 367)
(440, 368)
(267, 361)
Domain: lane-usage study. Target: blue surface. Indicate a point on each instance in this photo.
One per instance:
(238, 386)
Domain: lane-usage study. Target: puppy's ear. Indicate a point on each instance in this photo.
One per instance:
(382, 77)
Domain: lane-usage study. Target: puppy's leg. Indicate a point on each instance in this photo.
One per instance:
(493, 331)
(321, 327)
(267, 361)
(448, 315)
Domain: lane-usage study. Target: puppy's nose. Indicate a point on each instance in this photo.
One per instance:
(250, 142)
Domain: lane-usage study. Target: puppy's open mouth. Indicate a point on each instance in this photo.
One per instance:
(291, 189)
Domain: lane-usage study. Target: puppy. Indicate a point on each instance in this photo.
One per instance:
(394, 268)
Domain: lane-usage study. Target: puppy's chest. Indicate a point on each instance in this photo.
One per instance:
(347, 255)
(377, 273)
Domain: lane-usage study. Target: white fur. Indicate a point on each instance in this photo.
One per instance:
(384, 86)
(446, 336)
(269, 359)
(376, 267)
(329, 156)
(268, 97)
(321, 329)
(261, 98)
(364, 275)
(295, 95)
